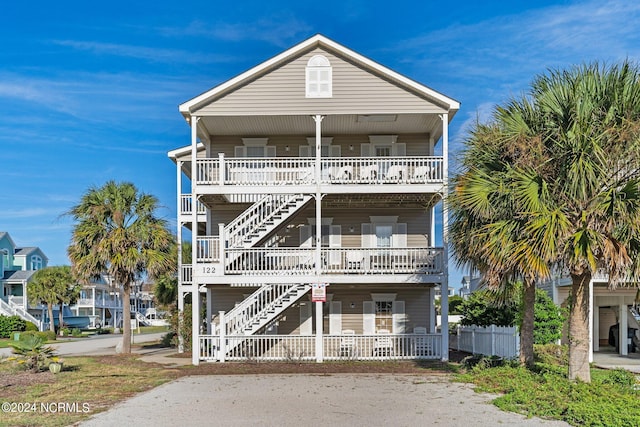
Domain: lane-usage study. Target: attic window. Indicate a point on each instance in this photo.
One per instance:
(318, 78)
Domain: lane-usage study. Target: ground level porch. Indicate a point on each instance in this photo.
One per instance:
(320, 348)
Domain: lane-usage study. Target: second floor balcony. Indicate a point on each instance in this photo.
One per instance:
(292, 261)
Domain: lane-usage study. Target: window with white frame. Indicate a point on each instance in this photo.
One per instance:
(36, 262)
(319, 78)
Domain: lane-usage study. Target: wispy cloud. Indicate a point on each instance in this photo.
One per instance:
(512, 49)
(24, 213)
(152, 54)
(280, 29)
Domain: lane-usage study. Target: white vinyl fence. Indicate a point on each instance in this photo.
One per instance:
(502, 341)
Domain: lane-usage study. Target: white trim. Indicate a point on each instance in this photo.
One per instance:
(184, 151)
(316, 41)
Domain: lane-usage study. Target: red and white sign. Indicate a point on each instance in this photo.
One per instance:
(319, 292)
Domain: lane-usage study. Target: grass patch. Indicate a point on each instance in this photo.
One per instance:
(86, 385)
(611, 399)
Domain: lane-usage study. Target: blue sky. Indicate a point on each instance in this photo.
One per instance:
(89, 91)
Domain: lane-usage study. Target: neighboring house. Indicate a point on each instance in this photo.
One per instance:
(17, 266)
(316, 175)
(101, 301)
(608, 308)
(469, 284)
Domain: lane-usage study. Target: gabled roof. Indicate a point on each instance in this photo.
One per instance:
(316, 41)
(18, 275)
(26, 251)
(183, 151)
(4, 234)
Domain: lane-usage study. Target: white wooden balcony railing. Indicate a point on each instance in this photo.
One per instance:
(100, 302)
(186, 205)
(278, 261)
(336, 347)
(334, 170)
(208, 249)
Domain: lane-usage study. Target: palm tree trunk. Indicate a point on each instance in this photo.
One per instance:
(579, 327)
(126, 319)
(52, 326)
(526, 329)
(60, 317)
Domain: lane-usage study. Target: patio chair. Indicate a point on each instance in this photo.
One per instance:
(383, 345)
(354, 260)
(396, 173)
(369, 172)
(348, 343)
(421, 173)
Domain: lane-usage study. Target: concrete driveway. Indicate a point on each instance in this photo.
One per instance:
(312, 400)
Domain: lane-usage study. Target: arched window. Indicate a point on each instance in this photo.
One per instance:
(319, 77)
(36, 262)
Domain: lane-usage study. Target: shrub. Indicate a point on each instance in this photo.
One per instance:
(104, 331)
(548, 321)
(31, 352)
(10, 324)
(551, 354)
(76, 332)
(31, 327)
(168, 339)
(186, 329)
(480, 310)
(44, 335)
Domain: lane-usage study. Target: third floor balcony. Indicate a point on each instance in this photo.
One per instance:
(363, 171)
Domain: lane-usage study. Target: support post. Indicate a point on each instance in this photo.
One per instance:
(444, 285)
(623, 330)
(223, 337)
(195, 293)
(319, 332)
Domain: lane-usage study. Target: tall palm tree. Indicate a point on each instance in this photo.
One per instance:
(118, 233)
(49, 286)
(490, 204)
(568, 160)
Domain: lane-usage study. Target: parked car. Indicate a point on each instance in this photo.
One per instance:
(631, 336)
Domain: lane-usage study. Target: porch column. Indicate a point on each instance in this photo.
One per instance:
(195, 293)
(444, 285)
(622, 331)
(93, 303)
(318, 240)
(179, 260)
(319, 332)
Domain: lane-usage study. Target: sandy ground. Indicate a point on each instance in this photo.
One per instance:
(312, 400)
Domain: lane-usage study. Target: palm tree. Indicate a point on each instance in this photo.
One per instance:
(570, 152)
(490, 226)
(118, 233)
(46, 287)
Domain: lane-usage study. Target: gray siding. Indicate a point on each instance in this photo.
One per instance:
(282, 91)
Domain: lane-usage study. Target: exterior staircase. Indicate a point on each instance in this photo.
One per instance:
(261, 218)
(11, 309)
(260, 309)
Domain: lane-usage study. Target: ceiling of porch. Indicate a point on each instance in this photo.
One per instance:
(344, 124)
